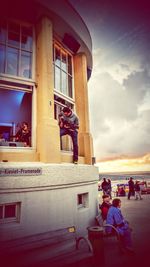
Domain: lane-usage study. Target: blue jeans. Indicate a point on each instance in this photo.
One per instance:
(126, 239)
(74, 137)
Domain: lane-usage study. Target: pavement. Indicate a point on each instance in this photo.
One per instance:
(137, 212)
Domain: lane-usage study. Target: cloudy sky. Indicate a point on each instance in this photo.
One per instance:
(119, 89)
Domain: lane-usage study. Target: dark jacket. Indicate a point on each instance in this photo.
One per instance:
(72, 121)
(131, 185)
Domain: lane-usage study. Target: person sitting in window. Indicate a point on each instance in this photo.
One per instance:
(24, 134)
(69, 123)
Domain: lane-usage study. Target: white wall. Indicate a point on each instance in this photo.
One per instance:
(49, 201)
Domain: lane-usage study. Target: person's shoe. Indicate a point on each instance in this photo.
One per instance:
(75, 162)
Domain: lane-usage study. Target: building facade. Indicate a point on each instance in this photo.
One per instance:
(45, 64)
(45, 61)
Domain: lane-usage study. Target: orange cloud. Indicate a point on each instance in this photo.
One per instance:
(120, 164)
(145, 159)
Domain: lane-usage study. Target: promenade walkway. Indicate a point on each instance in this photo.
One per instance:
(136, 212)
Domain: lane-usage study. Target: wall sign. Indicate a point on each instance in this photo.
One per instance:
(20, 171)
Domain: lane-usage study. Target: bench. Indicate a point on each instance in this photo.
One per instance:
(103, 224)
(100, 233)
(53, 246)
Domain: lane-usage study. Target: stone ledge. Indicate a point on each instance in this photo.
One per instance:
(52, 175)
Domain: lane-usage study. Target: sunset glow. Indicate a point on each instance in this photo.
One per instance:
(125, 165)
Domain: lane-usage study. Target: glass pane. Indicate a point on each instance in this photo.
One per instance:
(1, 212)
(12, 61)
(15, 106)
(64, 83)
(57, 57)
(69, 65)
(2, 58)
(57, 78)
(2, 31)
(64, 62)
(14, 39)
(10, 211)
(26, 42)
(70, 86)
(25, 70)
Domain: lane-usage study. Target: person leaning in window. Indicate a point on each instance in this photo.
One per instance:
(69, 124)
(116, 219)
(24, 134)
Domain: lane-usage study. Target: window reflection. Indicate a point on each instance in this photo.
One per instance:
(26, 42)
(57, 78)
(64, 83)
(16, 49)
(62, 71)
(15, 108)
(57, 57)
(12, 61)
(70, 86)
(64, 62)
(25, 64)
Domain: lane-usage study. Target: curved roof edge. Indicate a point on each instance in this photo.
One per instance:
(74, 21)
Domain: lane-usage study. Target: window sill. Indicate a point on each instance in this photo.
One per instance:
(16, 149)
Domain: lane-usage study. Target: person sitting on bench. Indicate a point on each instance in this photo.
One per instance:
(116, 219)
(104, 207)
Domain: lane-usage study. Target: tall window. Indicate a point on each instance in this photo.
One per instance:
(16, 90)
(16, 42)
(15, 108)
(63, 78)
(63, 71)
(63, 85)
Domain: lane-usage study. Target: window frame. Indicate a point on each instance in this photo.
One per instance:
(56, 44)
(20, 80)
(12, 219)
(66, 143)
(84, 199)
(32, 51)
(33, 111)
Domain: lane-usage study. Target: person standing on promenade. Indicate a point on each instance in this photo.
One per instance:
(116, 219)
(137, 191)
(131, 188)
(109, 187)
(105, 186)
